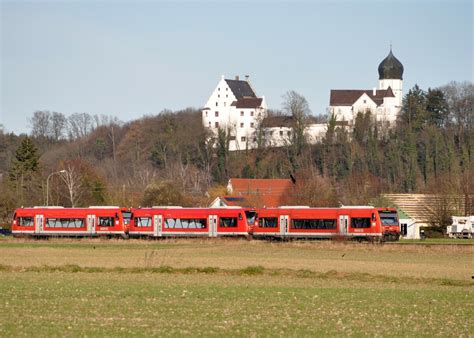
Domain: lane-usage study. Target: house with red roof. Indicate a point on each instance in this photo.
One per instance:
(247, 192)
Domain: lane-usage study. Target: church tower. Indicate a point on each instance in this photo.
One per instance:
(391, 75)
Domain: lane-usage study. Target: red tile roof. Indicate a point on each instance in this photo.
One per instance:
(261, 192)
(349, 97)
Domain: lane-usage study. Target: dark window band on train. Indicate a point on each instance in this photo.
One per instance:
(25, 221)
(143, 222)
(313, 224)
(228, 222)
(106, 221)
(268, 222)
(65, 222)
(185, 223)
(360, 223)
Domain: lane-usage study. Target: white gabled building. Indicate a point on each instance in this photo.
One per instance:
(384, 103)
(234, 106)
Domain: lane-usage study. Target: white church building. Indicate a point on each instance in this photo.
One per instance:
(235, 106)
(383, 102)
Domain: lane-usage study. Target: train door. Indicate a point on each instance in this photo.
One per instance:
(343, 224)
(283, 225)
(91, 224)
(158, 225)
(39, 224)
(212, 226)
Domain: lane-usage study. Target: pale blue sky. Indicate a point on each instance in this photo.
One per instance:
(131, 58)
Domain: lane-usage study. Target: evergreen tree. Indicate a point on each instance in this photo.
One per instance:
(437, 108)
(24, 168)
(414, 114)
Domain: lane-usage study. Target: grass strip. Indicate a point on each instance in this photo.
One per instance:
(248, 271)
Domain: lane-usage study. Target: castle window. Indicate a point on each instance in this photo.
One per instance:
(281, 132)
(206, 113)
(251, 124)
(217, 103)
(251, 113)
(217, 114)
(219, 95)
(226, 88)
(227, 95)
(242, 139)
(241, 125)
(289, 133)
(242, 113)
(210, 125)
(365, 101)
(216, 125)
(218, 89)
(224, 104)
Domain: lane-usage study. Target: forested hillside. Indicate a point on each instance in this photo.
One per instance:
(168, 159)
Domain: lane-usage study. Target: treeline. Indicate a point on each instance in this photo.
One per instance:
(171, 159)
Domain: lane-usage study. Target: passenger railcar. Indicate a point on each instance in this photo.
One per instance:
(59, 221)
(353, 222)
(178, 221)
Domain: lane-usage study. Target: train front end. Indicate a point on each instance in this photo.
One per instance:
(389, 223)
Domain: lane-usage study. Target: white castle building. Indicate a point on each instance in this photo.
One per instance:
(235, 106)
(384, 103)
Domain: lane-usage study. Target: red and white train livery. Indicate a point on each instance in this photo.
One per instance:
(283, 222)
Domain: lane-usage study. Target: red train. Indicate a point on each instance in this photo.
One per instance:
(283, 222)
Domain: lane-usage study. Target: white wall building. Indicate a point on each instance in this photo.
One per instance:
(234, 105)
(384, 103)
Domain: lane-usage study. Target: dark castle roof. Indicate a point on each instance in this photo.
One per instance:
(248, 102)
(349, 97)
(390, 68)
(240, 88)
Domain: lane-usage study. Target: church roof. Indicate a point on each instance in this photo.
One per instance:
(390, 68)
(240, 88)
(247, 102)
(347, 97)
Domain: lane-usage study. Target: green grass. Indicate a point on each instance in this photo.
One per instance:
(233, 288)
(113, 304)
(437, 241)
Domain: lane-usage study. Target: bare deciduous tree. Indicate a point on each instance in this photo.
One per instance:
(80, 125)
(58, 125)
(40, 123)
(74, 183)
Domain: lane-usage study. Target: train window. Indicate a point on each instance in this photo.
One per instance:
(25, 221)
(144, 222)
(65, 222)
(360, 223)
(268, 222)
(106, 222)
(127, 216)
(311, 224)
(228, 222)
(250, 215)
(185, 223)
(388, 218)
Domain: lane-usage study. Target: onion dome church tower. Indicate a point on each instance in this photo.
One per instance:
(391, 75)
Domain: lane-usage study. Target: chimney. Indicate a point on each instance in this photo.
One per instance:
(247, 78)
(374, 92)
(237, 77)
